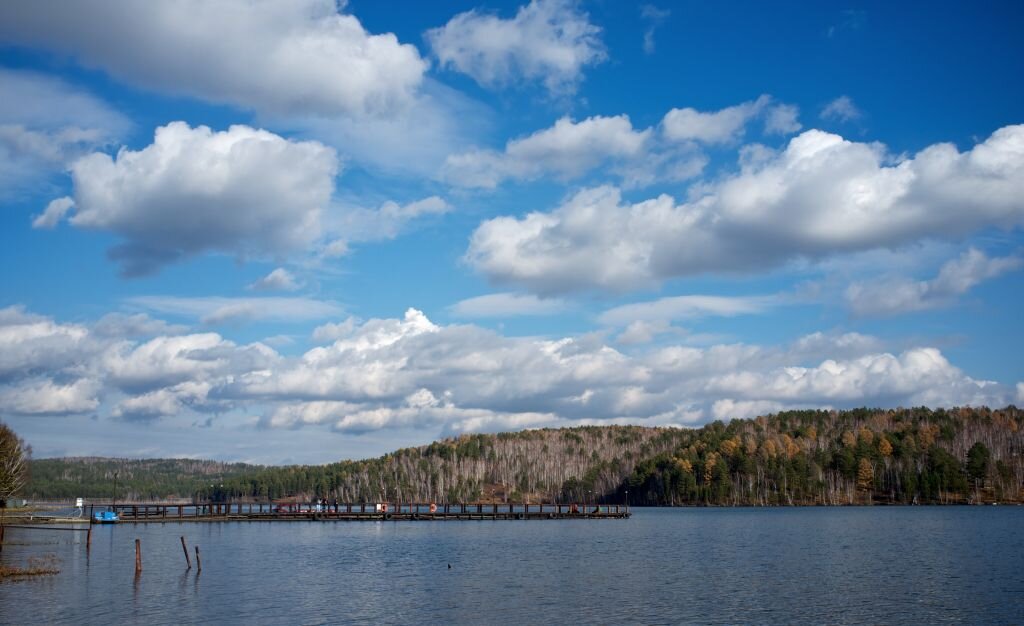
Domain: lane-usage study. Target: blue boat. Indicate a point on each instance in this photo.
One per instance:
(105, 517)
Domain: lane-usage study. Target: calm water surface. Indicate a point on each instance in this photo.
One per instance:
(855, 565)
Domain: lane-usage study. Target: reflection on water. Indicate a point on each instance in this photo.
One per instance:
(863, 565)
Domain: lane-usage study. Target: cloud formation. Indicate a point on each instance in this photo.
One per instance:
(216, 310)
(821, 195)
(570, 149)
(507, 305)
(728, 125)
(841, 109)
(54, 213)
(654, 17)
(412, 373)
(45, 124)
(549, 41)
(894, 296)
(687, 307)
(388, 220)
(300, 56)
(566, 150)
(279, 279)
(242, 191)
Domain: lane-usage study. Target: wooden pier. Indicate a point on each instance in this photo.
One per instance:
(272, 512)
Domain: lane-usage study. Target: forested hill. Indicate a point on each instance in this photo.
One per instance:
(97, 477)
(796, 457)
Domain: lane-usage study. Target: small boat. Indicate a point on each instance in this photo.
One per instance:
(105, 517)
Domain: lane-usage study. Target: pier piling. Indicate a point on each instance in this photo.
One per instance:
(188, 560)
(138, 556)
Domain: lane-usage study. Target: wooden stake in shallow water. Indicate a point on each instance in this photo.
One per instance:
(88, 539)
(185, 548)
(199, 562)
(138, 556)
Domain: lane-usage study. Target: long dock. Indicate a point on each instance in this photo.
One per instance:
(272, 512)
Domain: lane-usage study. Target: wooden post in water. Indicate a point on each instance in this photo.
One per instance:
(88, 539)
(199, 561)
(188, 560)
(138, 556)
(2, 538)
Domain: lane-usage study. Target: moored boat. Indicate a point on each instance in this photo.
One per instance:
(105, 517)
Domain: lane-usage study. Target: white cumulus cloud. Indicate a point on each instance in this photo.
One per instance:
(550, 41)
(822, 195)
(241, 191)
(46, 397)
(270, 56)
(331, 331)
(566, 150)
(728, 125)
(411, 373)
(32, 344)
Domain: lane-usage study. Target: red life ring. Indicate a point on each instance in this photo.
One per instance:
(574, 509)
(433, 508)
(384, 507)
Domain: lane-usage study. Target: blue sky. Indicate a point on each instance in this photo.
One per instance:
(305, 231)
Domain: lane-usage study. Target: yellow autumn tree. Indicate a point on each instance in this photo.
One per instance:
(792, 449)
(685, 465)
(866, 435)
(730, 446)
(926, 435)
(849, 439)
(884, 447)
(709, 466)
(789, 447)
(865, 475)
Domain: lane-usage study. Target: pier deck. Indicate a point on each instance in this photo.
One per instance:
(271, 512)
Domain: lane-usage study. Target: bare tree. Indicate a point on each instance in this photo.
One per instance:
(14, 456)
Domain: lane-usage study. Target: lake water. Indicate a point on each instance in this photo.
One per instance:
(921, 565)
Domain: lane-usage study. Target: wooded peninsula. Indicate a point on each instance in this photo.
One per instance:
(814, 457)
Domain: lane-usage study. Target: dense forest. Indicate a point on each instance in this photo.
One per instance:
(128, 479)
(859, 456)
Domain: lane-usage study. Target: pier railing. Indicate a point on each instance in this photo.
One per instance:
(364, 511)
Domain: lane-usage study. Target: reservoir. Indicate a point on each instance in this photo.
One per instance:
(662, 566)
